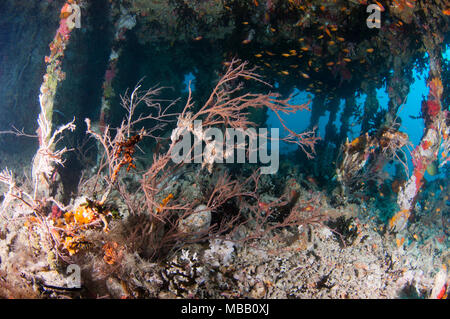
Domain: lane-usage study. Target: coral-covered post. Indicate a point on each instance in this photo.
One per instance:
(427, 151)
(46, 156)
(123, 21)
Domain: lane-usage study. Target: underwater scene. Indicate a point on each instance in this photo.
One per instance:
(224, 149)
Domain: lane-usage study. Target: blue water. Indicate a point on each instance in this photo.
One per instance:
(411, 126)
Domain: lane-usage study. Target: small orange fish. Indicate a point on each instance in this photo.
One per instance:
(409, 4)
(198, 38)
(330, 63)
(270, 53)
(246, 41)
(370, 50)
(285, 72)
(286, 55)
(304, 48)
(347, 60)
(340, 39)
(380, 5)
(446, 12)
(355, 142)
(306, 76)
(331, 43)
(256, 3)
(258, 55)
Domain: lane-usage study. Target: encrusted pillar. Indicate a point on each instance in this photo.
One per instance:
(46, 158)
(123, 21)
(427, 151)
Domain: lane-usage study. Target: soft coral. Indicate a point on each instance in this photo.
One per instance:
(431, 108)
